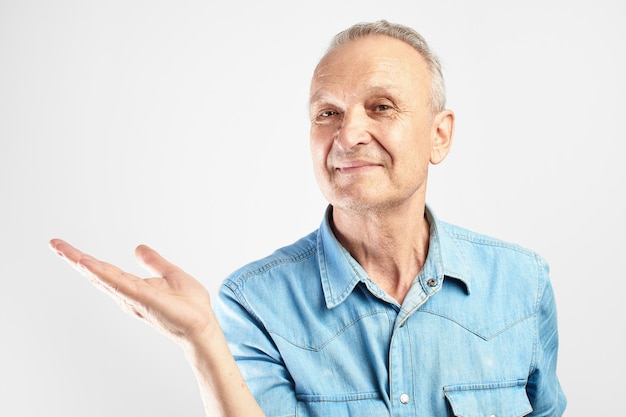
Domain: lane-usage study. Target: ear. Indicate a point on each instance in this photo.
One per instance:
(443, 129)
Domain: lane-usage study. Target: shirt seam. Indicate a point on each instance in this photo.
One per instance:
(541, 286)
(470, 236)
(326, 342)
(238, 279)
(236, 282)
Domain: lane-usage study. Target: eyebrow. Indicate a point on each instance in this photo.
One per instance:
(387, 89)
(319, 96)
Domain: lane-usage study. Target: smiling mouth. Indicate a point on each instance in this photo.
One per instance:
(357, 167)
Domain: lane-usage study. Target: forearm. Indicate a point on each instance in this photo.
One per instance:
(222, 387)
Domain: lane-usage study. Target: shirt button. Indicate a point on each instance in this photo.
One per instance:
(404, 398)
(432, 282)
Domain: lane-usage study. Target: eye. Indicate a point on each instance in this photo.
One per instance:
(328, 113)
(325, 116)
(382, 107)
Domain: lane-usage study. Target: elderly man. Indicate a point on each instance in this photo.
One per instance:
(384, 310)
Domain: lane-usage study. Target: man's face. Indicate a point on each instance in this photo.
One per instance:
(371, 130)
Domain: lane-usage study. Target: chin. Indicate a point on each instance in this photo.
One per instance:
(359, 204)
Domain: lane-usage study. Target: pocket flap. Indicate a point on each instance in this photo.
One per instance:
(500, 399)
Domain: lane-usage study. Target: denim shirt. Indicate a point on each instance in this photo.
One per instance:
(475, 336)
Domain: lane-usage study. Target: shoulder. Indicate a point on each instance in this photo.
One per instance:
(281, 262)
(486, 246)
(274, 286)
(489, 262)
(490, 265)
(471, 238)
(504, 281)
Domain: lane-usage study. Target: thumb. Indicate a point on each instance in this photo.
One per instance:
(154, 262)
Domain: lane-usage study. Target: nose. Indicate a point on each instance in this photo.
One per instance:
(354, 129)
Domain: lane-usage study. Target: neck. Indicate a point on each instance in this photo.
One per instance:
(391, 246)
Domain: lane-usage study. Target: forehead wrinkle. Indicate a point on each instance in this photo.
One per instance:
(357, 70)
(381, 89)
(338, 77)
(353, 77)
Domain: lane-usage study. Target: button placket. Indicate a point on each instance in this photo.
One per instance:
(400, 370)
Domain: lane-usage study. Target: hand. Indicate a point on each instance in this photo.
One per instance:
(179, 306)
(173, 302)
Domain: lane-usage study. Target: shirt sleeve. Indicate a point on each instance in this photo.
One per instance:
(543, 388)
(256, 354)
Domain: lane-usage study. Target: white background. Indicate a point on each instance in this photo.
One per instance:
(183, 125)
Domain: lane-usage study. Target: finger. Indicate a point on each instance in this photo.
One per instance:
(155, 263)
(72, 256)
(66, 251)
(112, 278)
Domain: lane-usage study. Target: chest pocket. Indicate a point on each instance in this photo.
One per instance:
(502, 399)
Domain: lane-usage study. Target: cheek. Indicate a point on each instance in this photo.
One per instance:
(414, 158)
(320, 148)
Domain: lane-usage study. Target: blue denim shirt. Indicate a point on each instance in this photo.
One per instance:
(475, 336)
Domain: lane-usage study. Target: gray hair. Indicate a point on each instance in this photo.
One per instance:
(408, 36)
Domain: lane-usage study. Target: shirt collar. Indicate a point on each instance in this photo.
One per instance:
(340, 272)
(444, 251)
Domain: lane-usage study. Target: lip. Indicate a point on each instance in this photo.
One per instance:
(348, 167)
